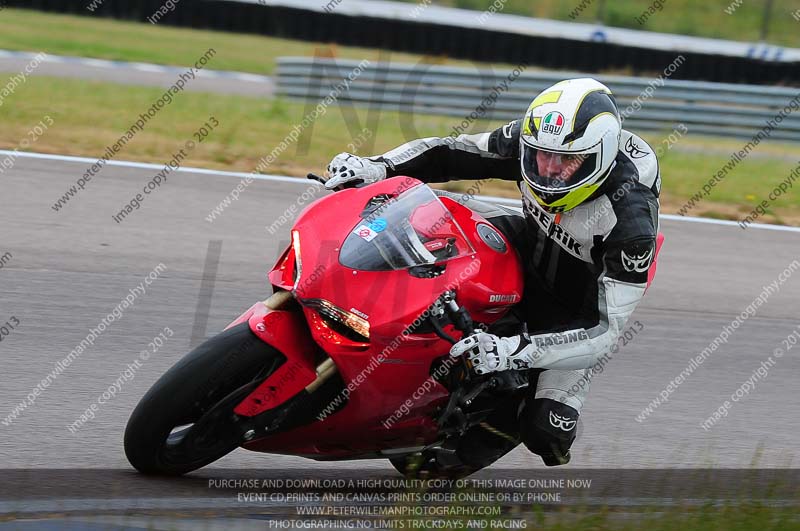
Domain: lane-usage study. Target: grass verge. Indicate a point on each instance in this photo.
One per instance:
(87, 116)
(115, 40)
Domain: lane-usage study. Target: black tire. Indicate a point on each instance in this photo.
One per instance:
(200, 390)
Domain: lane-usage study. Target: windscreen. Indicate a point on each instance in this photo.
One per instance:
(408, 230)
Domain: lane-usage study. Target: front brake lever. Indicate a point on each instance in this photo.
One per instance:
(314, 177)
(463, 322)
(439, 331)
(461, 318)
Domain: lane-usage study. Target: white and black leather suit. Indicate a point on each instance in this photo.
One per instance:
(586, 269)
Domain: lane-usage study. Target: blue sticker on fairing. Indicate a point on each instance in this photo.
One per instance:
(378, 225)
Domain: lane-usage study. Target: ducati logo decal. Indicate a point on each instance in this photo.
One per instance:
(503, 298)
(359, 313)
(553, 123)
(634, 151)
(562, 423)
(637, 263)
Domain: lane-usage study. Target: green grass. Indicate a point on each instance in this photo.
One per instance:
(103, 38)
(685, 173)
(88, 116)
(705, 19)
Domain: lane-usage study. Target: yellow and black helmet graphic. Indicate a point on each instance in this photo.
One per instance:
(570, 138)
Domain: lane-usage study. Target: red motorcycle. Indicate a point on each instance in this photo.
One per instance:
(349, 358)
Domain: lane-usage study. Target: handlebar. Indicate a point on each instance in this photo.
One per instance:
(461, 318)
(462, 383)
(463, 322)
(323, 180)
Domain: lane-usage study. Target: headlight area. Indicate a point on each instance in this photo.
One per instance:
(346, 324)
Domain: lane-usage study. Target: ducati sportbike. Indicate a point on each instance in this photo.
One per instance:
(349, 358)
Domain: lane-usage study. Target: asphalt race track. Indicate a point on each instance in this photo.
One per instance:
(69, 269)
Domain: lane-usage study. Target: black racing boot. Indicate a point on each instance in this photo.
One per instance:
(548, 429)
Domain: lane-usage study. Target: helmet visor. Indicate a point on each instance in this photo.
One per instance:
(551, 171)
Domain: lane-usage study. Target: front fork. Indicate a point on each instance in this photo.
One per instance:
(301, 373)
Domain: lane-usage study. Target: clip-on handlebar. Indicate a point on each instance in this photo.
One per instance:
(464, 387)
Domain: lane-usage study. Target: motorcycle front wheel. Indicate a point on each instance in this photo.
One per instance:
(186, 420)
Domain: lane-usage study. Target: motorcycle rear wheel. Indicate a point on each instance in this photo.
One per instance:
(426, 465)
(186, 420)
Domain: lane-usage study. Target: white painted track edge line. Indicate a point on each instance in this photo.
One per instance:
(300, 181)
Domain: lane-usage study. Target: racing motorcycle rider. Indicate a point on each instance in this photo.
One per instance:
(587, 240)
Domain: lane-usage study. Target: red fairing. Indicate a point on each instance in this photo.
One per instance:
(498, 285)
(274, 328)
(356, 309)
(651, 273)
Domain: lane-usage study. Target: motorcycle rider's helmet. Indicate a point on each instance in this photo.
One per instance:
(569, 140)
